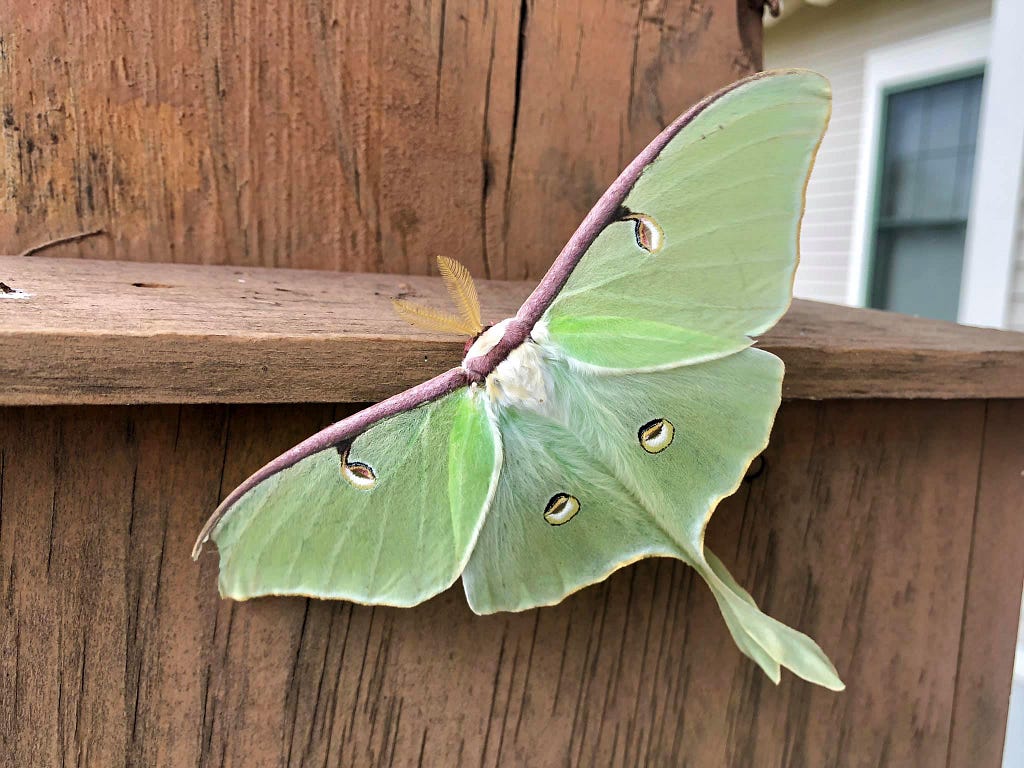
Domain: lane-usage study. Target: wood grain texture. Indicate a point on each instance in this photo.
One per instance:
(116, 650)
(985, 668)
(121, 332)
(341, 134)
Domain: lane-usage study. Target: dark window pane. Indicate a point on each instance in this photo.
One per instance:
(903, 135)
(972, 109)
(901, 191)
(937, 175)
(968, 142)
(920, 271)
(943, 110)
(926, 169)
(962, 187)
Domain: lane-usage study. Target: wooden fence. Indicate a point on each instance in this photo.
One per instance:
(231, 138)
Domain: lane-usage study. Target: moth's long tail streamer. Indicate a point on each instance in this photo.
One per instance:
(768, 642)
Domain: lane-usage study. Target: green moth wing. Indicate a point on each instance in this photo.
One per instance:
(701, 254)
(389, 517)
(620, 466)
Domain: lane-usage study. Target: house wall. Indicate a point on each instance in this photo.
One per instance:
(1016, 315)
(835, 41)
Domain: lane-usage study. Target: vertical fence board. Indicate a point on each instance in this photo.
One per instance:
(985, 669)
(861, 536)
(337, 134)
(858, 532)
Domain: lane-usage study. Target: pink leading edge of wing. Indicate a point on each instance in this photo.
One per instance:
(599, 217)
(477, 369)
(346, 429)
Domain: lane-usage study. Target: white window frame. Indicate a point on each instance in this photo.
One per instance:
(986, 291)
(988, 258)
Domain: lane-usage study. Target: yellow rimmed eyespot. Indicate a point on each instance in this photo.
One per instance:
(655, 436)
(561, 508)
(357, 474)
(649, 234)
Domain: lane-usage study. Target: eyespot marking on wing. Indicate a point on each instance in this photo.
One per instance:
(649, 234)
(357, 474)
(656, 435)
(561, 508)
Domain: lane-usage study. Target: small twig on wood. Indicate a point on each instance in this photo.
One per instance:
(60, 241)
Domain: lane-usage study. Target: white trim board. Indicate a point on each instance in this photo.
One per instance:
(987, 285)
(922, 58)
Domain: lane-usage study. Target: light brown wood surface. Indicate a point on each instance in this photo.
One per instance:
(368, 137)
(360, 136)
(864, 530)
(119, 332)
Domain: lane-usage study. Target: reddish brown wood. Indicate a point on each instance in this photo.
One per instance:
(985, 667)
(120, 332)
(115, 649)
(340, 134)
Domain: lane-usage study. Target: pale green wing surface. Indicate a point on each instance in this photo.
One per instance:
(624, 466)
(708, 257)
(324, 528)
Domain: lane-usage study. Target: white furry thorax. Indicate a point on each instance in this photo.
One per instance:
(522, 379)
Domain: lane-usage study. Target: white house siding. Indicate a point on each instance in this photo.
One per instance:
(834, 41)
(1016, 318)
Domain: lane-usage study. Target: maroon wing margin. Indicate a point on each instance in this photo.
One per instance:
(600, 216)
(346, 429)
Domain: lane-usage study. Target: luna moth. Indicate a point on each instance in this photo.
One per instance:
(600, 425)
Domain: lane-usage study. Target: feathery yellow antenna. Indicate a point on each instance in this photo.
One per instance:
(432, 319)
(460, 287)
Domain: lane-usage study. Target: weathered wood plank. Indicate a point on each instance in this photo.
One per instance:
(858, 532)
(64, 586)
(985, 668)
(341, 135)
(120, 332)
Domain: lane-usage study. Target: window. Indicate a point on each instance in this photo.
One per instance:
(927, 163)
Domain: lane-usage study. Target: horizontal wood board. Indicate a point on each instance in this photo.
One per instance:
(864, 530)
(122, 332)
